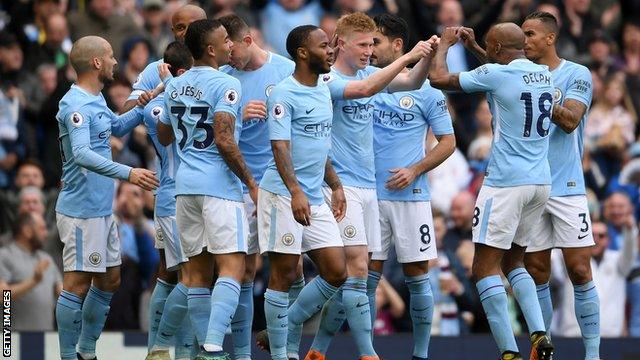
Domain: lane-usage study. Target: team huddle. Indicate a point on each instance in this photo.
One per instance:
(322, 155)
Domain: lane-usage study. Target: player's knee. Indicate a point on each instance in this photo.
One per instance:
(580, 274)
(77, 288)
(336, 277)
(249, 270)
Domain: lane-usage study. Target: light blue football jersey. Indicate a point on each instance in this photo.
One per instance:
(257, 85)
(192, 99)
(147, 80)
(400, 124)
(85, 124)
(166, 159)
(302, 115)
(572, 81)
(520, 97)
(352, 138)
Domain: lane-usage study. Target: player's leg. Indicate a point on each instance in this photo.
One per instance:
(534, 199)
(495, 220)
(321, 241)
(574, 235)
(280, 236)
(537, 260)
(172, 327)
(243, 318)
(161, 291)
(197, 271)
(227, 232)
(294, 291)
(415, 243)
(75, 284)
(97, 303)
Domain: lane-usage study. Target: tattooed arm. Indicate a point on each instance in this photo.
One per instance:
(338, 200)
(224, 124)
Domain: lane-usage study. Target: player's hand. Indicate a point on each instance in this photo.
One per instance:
(144, 178)
(301, 208)
(421, 50)
(253, 193)
(401, 178)
(468, 37)
(334, 45)
(163, 71)
(38, 271)
(450, 36)
(255, 109)
(144, 98)
(338, 204)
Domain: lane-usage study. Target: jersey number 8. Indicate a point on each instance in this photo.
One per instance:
(544, 113)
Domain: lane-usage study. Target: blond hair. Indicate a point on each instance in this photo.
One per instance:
(355, 22)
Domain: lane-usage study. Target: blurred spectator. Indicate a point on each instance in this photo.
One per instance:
(55, 49)
(155, 25)
(610, 126)
(102, 20)
(610, 269)
(629, 58)
(139, 257)
(461, 213)
(136, 55)
(577, 22)
(34, 31)
(31, 275)
(328, 24)
(448, 179)
(600, 54)
(389, 307)
(279, 17)
(116, 94)
(617, 208)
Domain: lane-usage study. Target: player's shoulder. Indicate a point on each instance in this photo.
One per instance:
(283, 88)
(576, 70)
(78, 100)
(227, 69)
(428, 91)
(155, 105)
(279, 60)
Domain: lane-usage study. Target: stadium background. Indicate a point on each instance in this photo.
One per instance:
(36, 36)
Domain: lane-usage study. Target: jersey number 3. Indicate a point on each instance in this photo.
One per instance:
(201, 111)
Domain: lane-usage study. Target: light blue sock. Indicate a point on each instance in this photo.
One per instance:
(524, 290)
(156, 306)
(94, 314)
(199, 309)
(275, 312)
(175, 311)
(242, 321)
(544, 298)
(372, 284)
(69, 320)
(421, 310)
(356, 304)
(295, 289)
(185, 339)
(309, 302)
(494, 303)
(587, 308)
(331, 319)
(224, 302)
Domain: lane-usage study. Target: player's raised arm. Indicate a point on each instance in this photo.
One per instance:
(380, 79)
(439, 76)
(468, 37)
(414, 78)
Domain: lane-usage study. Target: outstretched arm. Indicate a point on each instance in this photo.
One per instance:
(439, 76)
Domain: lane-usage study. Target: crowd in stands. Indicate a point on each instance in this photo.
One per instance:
(35, 40)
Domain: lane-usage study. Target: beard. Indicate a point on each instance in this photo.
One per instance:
(107, 78)
(318, 65)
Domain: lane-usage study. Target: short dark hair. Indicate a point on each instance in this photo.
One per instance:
(546, 18)
(393, 27)
(177, 55)
(196, 36)
(236, 27)
(22, 221)
(298, 38)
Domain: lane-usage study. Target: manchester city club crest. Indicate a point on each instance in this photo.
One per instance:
(350, 231)
(406, 102)
(288, 239)
(95, 259)
(269, 89)
(557, 95)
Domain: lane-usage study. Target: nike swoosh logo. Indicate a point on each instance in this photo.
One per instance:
(236, 322)
(165, 334)
(361, 305)
(425, 248)
(580, 237)
(585, 316)
(414, 309)
(280, 316)
(77, 321)
(309, 111)
(341, 312)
